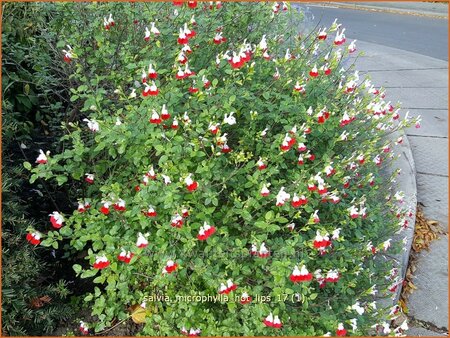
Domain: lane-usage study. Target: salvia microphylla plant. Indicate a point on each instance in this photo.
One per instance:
(225, 156)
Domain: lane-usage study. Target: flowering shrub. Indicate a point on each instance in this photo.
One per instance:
(223, 155)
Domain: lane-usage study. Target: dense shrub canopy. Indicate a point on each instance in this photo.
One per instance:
(247, 164)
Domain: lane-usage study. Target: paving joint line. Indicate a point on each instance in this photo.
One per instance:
(431, 174)
(428, 325)
(425, 108)
(430, 136)
(402, 69)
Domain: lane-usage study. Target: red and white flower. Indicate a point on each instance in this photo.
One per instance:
(177, 221)
(340, 37)
(218, 38)
(254, 250)
(68, 55)
(182, 38)
(263, 251)
(170, 267)
(287, 143)
(321, 242)
(180, 74)
(82, 207)
(153, 29)
(151, 212)
(142, 241)
(322, 34)
(165, 113)
(155, 118)
(125, 256)
(299, 87)
(101, 262)
(341, 331)
(205, 232)
(332, 276)
(105, 208)
(301, 147)
(228, 288)
(191, 185)
(34, 237)
(174, 125)
(152, 74)
(83, 328)
(314, 72)
(119, 205)
(271, 321)
(352, 46)
(301, 275)
(354, 213)
(315, 217)
(42, 158)
(298, 201)
(56, 219)
(151, 173)
(261, 165)
(151, 90)
(282, 197)
(147, 34)
(245, 298)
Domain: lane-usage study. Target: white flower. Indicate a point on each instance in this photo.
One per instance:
(92, 125)
(229, 119)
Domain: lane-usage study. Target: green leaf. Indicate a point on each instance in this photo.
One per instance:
(27, 165)
(77, 268)
(269, 215)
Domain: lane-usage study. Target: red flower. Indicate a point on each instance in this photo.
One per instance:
(190, 184)
(150, 90)
(261, 164)
(150, 212)
(263, 251)
(101, 262)
(321, 242)
(56, 219)
(152, 74)
(155, 119)
(142, 241)
(302, 275)
(341, 331)
(120, 205)
(264, 191)
(322, 34)
(192, 4)
(34, 237)
(164, 113)
(193, 90)
(105, 208)
(298, 201)
(89, 178)
(125, 256)
(42, 158)
(314, 72)
(170, 267)
(245, 298)
(332, 276)
(182, 38)
(205, 232)
(177, 221)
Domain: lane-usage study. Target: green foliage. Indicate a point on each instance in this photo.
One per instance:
(107, 64)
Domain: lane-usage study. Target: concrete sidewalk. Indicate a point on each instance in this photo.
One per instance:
(429, 9)
(421, 84)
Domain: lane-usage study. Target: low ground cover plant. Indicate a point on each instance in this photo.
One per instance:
(228, 168)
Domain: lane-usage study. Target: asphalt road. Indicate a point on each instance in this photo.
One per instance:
(426, 36)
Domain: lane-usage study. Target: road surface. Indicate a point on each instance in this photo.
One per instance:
(423, 35)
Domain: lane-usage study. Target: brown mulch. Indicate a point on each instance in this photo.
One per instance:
(425, 232)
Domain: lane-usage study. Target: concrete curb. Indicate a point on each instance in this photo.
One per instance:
(406, 183)
(384, 9)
